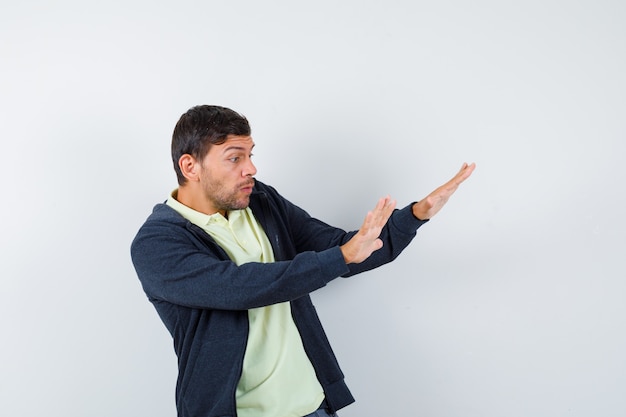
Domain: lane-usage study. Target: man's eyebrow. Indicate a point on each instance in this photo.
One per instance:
(237, 148)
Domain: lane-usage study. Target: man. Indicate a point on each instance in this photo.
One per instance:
(229, 265)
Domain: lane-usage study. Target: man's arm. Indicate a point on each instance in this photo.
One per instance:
(186, 269)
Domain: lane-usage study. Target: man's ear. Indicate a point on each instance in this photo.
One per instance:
(190, 167)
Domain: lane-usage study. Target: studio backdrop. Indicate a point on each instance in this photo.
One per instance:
(510, 302)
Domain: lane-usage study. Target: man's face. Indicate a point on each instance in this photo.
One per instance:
(227, 174)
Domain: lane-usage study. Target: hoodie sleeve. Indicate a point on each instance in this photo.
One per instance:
(176, 265)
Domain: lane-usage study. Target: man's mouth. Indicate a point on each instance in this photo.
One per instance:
(247, 186)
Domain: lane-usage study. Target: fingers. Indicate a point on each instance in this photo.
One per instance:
(382, 211)
(465, 171)
(376, 219)
(463, 174)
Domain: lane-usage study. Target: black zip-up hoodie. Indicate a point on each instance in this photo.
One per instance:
(203, 297)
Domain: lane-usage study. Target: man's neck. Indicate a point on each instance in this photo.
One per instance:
(191, 197)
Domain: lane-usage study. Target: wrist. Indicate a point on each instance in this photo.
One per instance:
(420, 215)
(346, 254)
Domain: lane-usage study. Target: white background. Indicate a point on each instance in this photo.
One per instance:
(509, 303)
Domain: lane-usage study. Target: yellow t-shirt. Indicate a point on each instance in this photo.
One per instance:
(277, 379)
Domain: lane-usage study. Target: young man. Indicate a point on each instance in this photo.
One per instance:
(229, 265)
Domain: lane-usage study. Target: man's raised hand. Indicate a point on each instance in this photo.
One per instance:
(429, 206)
(366, 241)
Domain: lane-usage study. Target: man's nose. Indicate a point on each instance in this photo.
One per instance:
(249, 170)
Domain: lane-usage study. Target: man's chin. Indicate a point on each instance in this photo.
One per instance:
(241, 204)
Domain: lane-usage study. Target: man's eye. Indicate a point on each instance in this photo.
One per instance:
(234, 159)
